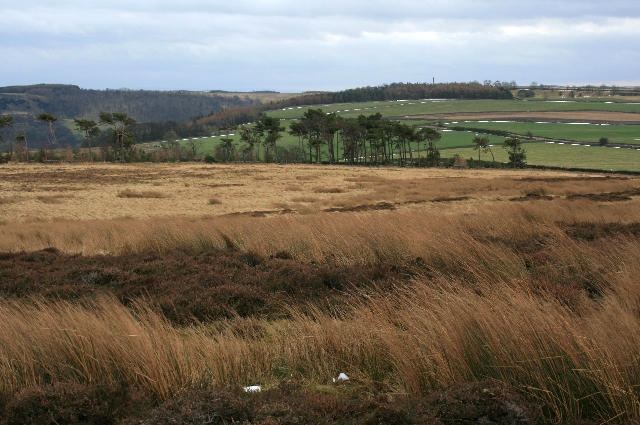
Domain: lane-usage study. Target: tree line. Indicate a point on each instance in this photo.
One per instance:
(119, 137)
(330, 138)
(322, 138)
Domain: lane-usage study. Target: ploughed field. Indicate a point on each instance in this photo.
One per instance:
(155, 293)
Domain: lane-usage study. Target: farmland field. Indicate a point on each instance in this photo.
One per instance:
(435, 107)
(154, 293)
(563, 155)
(582, 132)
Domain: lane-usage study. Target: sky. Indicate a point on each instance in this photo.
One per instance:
(299, 45)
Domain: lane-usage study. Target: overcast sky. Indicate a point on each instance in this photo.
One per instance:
(298, 45)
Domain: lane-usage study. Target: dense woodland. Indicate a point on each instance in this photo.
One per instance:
(67, 101)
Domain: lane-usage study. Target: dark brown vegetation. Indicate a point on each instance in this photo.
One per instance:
(128, 193)
(289, 403)
(190, 287)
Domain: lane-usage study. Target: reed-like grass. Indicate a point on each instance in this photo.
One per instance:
(458, 231)
(419, 339)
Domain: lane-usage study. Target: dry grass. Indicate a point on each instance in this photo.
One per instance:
(305, 199)
(53, 199)
(501, 289)
(579, 364)
(328, 190)
(153, 194)
(10, 200)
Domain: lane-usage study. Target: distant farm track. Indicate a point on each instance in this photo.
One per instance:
(559, 116)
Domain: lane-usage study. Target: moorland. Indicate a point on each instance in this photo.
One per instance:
(154, 293)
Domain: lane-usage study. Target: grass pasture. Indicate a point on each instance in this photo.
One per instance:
(561, 155)
(582, 132)
(401, 109)
(154, 293)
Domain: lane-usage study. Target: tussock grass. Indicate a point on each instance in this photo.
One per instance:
(364, 237)
(129, 193)
(417, 340)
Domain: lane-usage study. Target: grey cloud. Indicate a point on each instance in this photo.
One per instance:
(273, 44)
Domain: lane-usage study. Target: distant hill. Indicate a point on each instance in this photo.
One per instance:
(69, 101)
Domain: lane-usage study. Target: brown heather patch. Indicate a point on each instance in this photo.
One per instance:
(129, 193)
(328, 190)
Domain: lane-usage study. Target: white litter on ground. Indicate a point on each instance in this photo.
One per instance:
(341, 378)
(252, 389)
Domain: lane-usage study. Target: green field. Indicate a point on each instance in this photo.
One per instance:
(568, 156)
(403, 109)
(590, 133)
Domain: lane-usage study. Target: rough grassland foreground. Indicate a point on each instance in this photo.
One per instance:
(154, 293)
